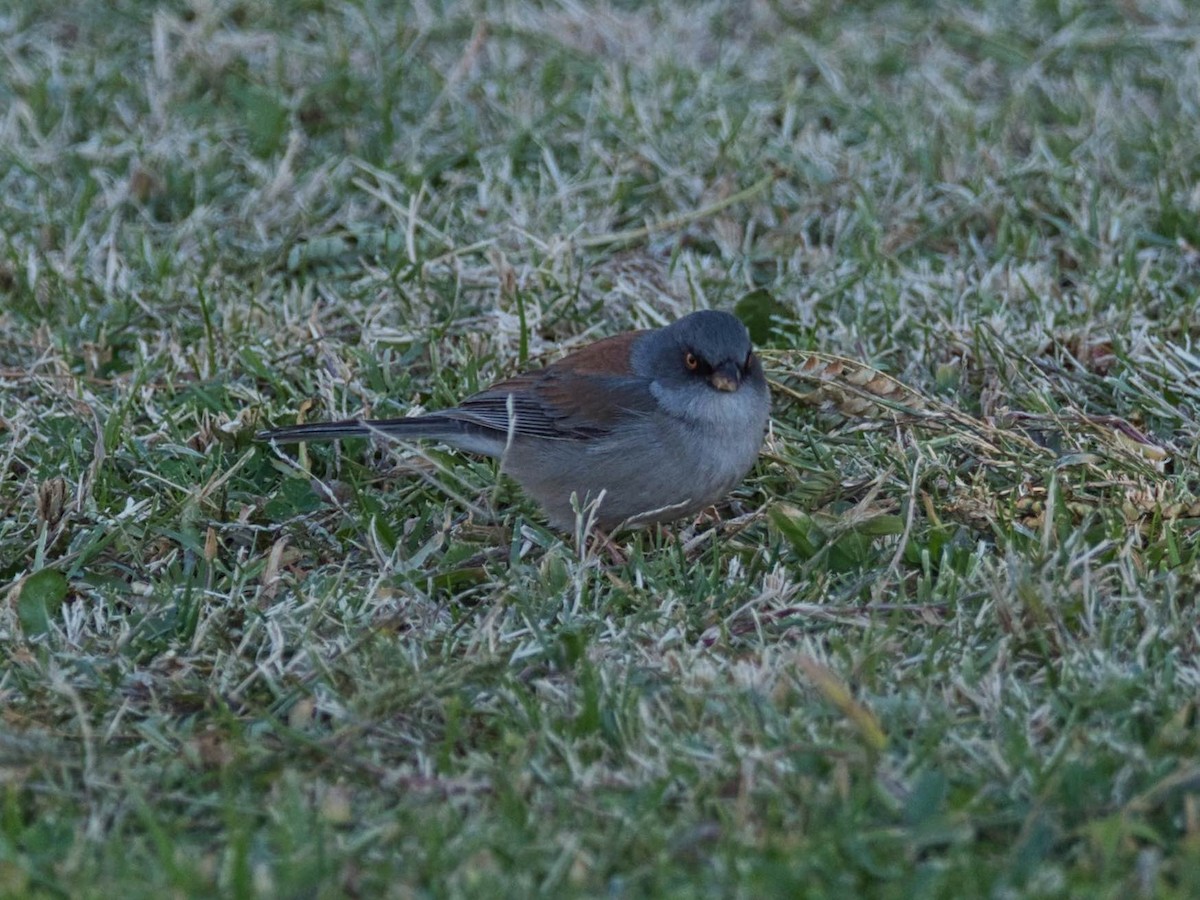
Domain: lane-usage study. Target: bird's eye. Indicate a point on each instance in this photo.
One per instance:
(749, 360)
(691, 362)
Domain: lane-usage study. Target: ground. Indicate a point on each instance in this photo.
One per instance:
(941, 642)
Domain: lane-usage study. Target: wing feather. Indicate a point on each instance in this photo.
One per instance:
(577, 398)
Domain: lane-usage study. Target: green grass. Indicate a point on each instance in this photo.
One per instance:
(945, 648)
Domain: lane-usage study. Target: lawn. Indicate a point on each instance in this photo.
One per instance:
(943, 640)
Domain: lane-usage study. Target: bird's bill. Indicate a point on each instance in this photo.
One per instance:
(726, 377)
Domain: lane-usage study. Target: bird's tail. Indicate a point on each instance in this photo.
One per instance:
(410, 428)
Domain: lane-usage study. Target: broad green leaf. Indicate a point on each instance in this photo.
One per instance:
(41, 594)
(757, 309)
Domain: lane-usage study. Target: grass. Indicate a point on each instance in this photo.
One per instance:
(947, 645)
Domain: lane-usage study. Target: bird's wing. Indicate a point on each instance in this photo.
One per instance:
(577, 398)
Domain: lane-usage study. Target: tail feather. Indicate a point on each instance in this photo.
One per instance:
(413, 427)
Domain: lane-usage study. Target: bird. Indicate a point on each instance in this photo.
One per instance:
(641, 428)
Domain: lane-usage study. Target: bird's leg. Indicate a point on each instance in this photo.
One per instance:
(602, 542)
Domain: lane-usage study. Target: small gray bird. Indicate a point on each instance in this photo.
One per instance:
(649, 425)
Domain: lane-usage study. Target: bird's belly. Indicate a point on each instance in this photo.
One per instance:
(654, 475)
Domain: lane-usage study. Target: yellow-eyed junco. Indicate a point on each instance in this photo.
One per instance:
(651, 425)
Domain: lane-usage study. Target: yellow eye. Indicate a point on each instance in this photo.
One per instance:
(691, 362)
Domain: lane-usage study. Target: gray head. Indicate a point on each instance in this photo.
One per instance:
(707, 348)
